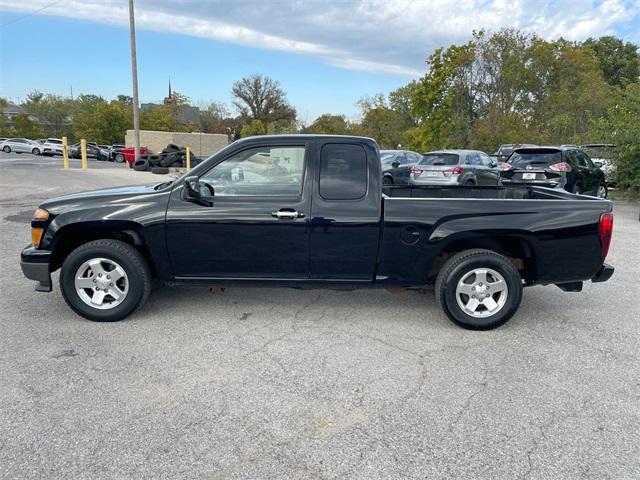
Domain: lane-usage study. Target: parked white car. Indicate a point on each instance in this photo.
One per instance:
(21, 145)
(52, 146)
(601, 154)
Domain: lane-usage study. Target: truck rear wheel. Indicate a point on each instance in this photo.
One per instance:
(105, 280)
(479, 289)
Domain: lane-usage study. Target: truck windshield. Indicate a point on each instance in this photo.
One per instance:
(440, 159)
(542, 158)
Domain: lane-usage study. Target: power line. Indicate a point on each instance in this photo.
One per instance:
(32, 13)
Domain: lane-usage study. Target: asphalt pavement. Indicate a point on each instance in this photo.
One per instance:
(279, 383)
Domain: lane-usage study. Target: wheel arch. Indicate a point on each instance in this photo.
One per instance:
(516, 246)
(70, 237)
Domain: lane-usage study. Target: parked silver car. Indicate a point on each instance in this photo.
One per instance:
(455, 167)
(21, 145)
(52, 146)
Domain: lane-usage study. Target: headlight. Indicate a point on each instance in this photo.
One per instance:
(36, 232)
(40, 214)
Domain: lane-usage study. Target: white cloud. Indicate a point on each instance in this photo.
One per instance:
(386, 36)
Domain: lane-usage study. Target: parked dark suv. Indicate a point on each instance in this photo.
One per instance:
(564, 167)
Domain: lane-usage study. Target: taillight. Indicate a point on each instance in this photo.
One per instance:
(605, 230)
(560, 167)
(415, 170)
(505, 166)
(452, 171)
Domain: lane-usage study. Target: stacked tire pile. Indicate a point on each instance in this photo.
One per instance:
(171, 156)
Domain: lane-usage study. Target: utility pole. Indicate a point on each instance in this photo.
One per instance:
(134, 78)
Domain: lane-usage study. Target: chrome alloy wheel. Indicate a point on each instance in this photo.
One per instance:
(482, 292)
(101, 283)
(602, 192)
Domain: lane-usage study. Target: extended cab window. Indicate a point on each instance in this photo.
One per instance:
(343, 172)
(259, 171)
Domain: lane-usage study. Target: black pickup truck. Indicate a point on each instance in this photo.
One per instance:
(311, 211)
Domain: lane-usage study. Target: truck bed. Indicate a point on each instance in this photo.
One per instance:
(549, 228)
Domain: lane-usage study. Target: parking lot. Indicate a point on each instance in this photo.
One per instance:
(283, 383)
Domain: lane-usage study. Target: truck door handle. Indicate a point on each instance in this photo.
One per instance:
(287, 214)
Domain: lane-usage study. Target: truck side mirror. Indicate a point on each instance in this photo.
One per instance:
(395, 164)
(192, 187)
(192, 191)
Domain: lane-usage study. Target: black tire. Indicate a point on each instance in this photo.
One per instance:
(460, 265)
(118, 158)
(131, 261)
(141, 165)
(606, 190)
(470, 183)
(159, 170)
(387, 181)
(577, 189)
(171, 147)
(168, 159)
(154, 160)
(6, 149)
(35, 151)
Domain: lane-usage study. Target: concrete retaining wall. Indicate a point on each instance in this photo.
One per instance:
(201, 144)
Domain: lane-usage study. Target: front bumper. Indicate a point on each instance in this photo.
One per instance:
(604, 273)
(35, 266)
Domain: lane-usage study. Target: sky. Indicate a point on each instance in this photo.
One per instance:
(325, 53)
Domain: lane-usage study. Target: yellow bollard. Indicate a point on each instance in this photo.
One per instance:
(188, 156)
(65, 153)
(83, 153)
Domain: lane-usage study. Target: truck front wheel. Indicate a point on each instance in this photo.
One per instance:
(105, 280)
(479, 289)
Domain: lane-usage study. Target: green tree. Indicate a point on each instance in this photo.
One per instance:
(24, 127)
(55, 111)
(621, 126)
(254, 127)
(125, 100)
(578, 94)
(157, 118)
(169, 117)
(619, 61)
(84, 117)
(400, 100)
(507, 87)
(442, 101)
(330, 124)
(4, 128)
(97, 120)
(380, 122)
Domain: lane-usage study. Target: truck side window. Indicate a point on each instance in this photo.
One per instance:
(343, 172)
(259, 171)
